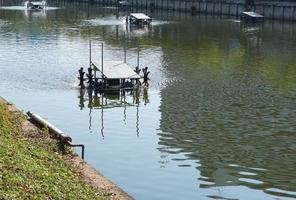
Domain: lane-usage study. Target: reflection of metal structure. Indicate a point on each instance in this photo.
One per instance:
(138, 30)
(31, 14)
(251, 28)
(113, 99)
(252, 40)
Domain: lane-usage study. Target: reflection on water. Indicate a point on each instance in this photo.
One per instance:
(113, 99)
(109, 21)
(233, 109)
(31, 14)
(24, 8)
(218, 120)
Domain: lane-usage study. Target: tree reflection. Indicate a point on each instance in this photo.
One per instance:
(230, 118)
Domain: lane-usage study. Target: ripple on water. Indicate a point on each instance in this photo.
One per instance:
(159, 22)
(113, 21)
(207, 114)
(250, 181)
(105, 21)
(4, 23)
(279, 192)
(247, 173)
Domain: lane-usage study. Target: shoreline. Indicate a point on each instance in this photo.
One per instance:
(82, 169)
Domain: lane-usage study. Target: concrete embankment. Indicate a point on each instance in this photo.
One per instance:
(279, 10)
(32, 141)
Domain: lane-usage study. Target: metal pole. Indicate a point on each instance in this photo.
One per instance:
(124, 48)
(138, 59)
(90, 53)
(102, 66)
(90, 62)
(102, 117)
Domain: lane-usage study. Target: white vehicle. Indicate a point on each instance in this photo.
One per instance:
(35, 5)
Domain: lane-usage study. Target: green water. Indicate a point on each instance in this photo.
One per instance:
(218, 121)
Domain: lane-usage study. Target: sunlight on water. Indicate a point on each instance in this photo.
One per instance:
(275, 191)
(113, 21)
(24, 8)
(251, 181)
(106, 21)
(248, 173)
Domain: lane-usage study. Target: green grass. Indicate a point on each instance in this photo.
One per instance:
(31, 168)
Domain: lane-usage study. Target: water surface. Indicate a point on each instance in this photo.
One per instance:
(217, 122)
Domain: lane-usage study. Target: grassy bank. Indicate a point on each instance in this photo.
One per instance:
(32, 168)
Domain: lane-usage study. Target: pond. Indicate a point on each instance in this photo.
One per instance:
(217, 121)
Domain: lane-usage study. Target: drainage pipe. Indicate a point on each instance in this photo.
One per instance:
(55, 132)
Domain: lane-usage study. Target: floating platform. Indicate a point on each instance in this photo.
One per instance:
(35, 5)
(139, 19)
(116, 70)
(252, 17)
(112, 75)
(117, 75)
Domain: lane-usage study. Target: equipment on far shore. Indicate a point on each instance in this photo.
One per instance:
(252, 17)
(35, 5)
(123, 3)
(138, 19)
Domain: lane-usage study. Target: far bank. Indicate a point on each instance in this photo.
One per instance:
(275, 10)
